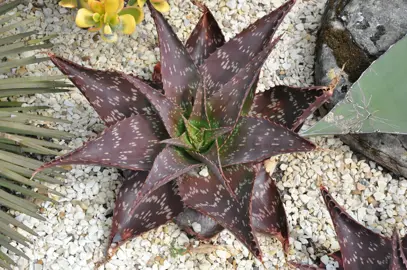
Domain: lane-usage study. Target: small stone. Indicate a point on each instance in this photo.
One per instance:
(196, 227)
(379, 196)
(223, 254)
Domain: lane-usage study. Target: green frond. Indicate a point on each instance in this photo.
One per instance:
(23, 131)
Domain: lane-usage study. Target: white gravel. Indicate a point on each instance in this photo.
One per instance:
(77, 229)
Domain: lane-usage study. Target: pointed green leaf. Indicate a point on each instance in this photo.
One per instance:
(375, 102)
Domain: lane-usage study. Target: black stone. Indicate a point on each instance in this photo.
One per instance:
(353, 34)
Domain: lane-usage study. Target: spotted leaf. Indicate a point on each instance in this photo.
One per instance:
(109, 92)
(208, 196)
(157, 209)
(208, 227)
(268, 214)
(169, 112)
(289, 106)
(225, 105)
(132, 143)
(255, 139)
(205, 38)
(361, 248)
(398, 259)
(179, 74)
(226, 61)
(168, 165)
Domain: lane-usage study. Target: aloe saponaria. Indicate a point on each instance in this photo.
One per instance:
(361, 248)
(200, 110)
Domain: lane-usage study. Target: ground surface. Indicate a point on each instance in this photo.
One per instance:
(76, 232)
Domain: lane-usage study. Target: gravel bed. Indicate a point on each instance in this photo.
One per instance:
(75, 235)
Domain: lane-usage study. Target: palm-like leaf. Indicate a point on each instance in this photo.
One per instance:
(18, 135)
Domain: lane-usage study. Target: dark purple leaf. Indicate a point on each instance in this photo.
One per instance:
(132, 143)
(268, 214)
(225, 62)
(168, 165)
(212, 134)
(225, 105)
(199, 113)
(337, 256)
(205, 38)
(361, 248)
(209, 227)
(180, 76)
(157, 78)
(157, 209)
(256, 139)
(211, 160)
(208, 196)
(398, 259)
(289, 106)
(109, 92)
(181, 141)
(169, 112)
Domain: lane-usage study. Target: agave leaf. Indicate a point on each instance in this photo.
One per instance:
(209, 227)
(180, 76)
(109, 92)
(262, 139)
(210, 197)
(132, 143)
(168, 165)
(289, 106)
(226, 104)
(356, 241)
(169, 112)
(375, 102)
(268, 214)
(160, 207)
(205, 38)
(221, 66)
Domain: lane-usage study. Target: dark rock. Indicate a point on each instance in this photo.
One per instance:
(353, 34)
(209, 227)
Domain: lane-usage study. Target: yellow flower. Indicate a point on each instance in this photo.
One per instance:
(109, 17)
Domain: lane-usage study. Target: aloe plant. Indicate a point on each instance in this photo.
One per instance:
(361, 248)
(200, 110)
(18, 135)
(374, 103)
